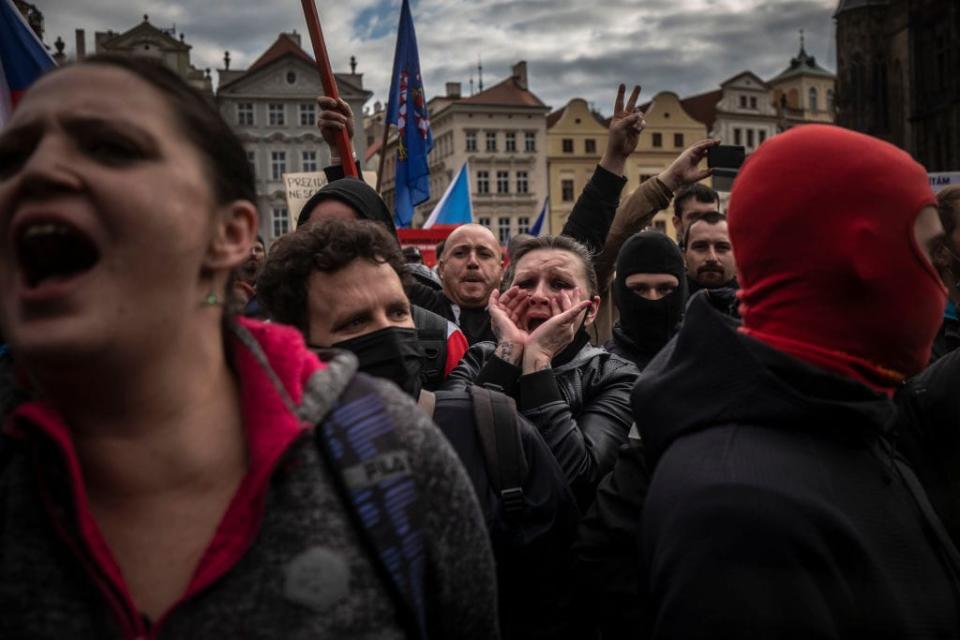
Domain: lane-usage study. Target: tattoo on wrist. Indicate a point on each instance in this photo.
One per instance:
(508, 351)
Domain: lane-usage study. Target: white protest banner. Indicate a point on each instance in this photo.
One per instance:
(299, 188)
(940, 180)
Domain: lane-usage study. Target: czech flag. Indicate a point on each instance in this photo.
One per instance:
(23, 58)
(455, 207)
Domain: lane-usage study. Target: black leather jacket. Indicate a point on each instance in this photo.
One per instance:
(581, 405)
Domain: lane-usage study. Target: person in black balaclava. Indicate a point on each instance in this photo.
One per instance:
(650, 291)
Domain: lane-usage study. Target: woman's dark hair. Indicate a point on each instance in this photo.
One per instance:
(328, 246)
(563, 243)
(202, 124)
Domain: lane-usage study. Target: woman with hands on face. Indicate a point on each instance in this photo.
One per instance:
(576, 394)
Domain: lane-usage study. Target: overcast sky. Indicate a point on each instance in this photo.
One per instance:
(574, 48)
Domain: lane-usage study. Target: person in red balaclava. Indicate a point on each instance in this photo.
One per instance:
(778, 507)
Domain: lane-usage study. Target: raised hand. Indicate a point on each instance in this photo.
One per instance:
(506, 310)
(334, 116)
(686, 168)
(625, 126)
(554, 335)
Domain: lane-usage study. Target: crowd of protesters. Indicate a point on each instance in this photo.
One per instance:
(206, 437)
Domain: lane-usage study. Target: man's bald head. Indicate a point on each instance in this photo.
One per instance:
(470, 266)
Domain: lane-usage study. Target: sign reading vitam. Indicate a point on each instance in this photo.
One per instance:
(940, 180)
(301, 186)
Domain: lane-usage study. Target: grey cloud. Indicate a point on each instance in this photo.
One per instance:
(574, 48)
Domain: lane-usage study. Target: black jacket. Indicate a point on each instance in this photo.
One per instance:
(531, 547)
(928, 434)
(777, 507)
(620, 344)
(947, 340)
(589, 221)
(581, 406)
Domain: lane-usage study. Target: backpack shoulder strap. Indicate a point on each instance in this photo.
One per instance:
(432, 335)
(495, 415)
(372, 473)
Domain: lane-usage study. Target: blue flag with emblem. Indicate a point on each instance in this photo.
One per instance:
(407, 109)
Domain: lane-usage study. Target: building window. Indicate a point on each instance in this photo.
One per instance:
(491, 141)
(245, 114)
(471, 140)
(568, 145)
(753, 102)
(483, 182)
(503, 182)
(566, 190)
(812, 99)
(523, 224)
(743, 102)
(278, 164)
(656, 140)
(830, 100)
(530, 142)
(660, 226)
(252, 159)
(484, 222)
(281, 221)
(503, 227)
(749, 137)
(309, 161)
(761, 136)
(308, 115)
(678, 140)
(523, 182)
(291, 77)
(737, 137)
(590, 146)
(644, 177)
(511, 141)
(277, 116)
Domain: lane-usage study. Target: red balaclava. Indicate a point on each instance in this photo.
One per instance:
(821, 219)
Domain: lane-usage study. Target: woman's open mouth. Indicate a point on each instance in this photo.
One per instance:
(49, 251)
(535, 321)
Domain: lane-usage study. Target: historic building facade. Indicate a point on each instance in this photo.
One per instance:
(272, 107)
(897, 64)
(804, 92)
(501, 132)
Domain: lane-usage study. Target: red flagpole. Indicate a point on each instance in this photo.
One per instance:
(329, 82)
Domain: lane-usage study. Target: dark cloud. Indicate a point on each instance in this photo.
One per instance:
(573, 48)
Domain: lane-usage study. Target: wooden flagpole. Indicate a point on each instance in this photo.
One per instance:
(329, 83)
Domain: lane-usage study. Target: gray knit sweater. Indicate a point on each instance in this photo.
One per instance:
(304, 573)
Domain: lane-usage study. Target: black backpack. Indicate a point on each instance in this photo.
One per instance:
(495, 416)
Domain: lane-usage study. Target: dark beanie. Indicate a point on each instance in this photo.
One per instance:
(649, 323)
(357, 195)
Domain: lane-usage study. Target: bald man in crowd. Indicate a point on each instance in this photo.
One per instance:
(469, 269)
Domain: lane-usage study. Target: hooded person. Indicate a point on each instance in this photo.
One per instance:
(351, 199)
(816, 528)
(650, 291)
(358, 197)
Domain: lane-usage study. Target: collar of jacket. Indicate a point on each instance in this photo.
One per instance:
(285, 390)
(712, 375)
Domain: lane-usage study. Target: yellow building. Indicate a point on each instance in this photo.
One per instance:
(576, 138)
(670, 129)
(804, 92)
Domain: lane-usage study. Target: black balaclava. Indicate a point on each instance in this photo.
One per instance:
(356, 194)
(393, 353)
(649, 324)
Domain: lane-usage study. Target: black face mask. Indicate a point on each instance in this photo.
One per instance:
(393, 353)
(649, 324)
